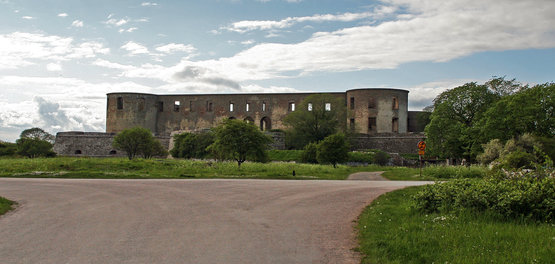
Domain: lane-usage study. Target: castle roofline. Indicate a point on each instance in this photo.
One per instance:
(299, 93)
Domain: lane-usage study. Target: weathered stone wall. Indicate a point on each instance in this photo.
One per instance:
(90, 144)
(392, 143)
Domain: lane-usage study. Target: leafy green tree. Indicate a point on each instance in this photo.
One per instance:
(333, 149)
(530, 110)
(35, 142)
(312, 121)
(239, 140)
(34, 148)
(452, 131)
(192, 145)
(138, 141)
(37, 133)
(7, 148)
(310, 153)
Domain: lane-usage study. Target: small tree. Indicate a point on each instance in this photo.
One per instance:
(192, 145)
(333, 149)
(35, 142)
(138, 141)
(239, 140)
(310, 153)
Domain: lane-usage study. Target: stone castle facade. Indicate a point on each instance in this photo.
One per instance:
(380, 116)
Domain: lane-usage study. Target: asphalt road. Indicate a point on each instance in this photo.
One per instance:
(184, 221)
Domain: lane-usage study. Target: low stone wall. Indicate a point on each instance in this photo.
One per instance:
(90, 144)
(391, 143)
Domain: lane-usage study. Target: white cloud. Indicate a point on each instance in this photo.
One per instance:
(135, 48)
(116, 22)
(27, 17)
(53, 67)
(129, 30)
(20, 49)
(250, 25)
(149, 4)
(77, 23)
(174, 47)
(62, 15)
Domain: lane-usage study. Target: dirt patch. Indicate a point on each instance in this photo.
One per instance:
(367, 176)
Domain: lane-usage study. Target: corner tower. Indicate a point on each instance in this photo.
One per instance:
(127, 110)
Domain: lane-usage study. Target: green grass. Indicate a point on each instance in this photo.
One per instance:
(5, 205)
(434, 172)
(121, 168)
(391, 231)
(285, 155)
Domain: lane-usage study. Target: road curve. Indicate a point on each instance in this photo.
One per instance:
(184, 221)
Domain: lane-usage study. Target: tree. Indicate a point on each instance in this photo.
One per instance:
(530, 110)
(37, 133)
(192, 145)
(239, 140)
(35, 142)
(138, 141)
(310, 153)
(7, 148)
(333, 149)
(312, 121)
(452, 131)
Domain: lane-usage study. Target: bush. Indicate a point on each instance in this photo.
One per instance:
(7, 149)
(518, 159)
(523, 198)
(361, 157)
(138, 141)
(34, 148)
(381, 158)
(332, 150)
(310, 153)
(454, 172)
(192, 145)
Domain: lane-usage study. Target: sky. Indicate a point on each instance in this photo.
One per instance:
(59, 58)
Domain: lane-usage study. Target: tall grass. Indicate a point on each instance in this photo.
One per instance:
(391, 231)
(66, 167)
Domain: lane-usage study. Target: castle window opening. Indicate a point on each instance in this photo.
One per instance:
(176, 105)
(263, 106)
(371, 124)
(209, 107)
(160, 106)
(191, 105)
(113, 152)
(141, 104)
(328, 106)
(230, 107)
(352, 124)
(78, 152)
(291, 107)
(265, 124)
(120, 103)
(352, 103)
(371, 103)
(249, 120)
(395, 125)
(309, 106)
(395, 103)
(247, 107)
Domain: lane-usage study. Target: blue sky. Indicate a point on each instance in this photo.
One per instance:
(58, 59)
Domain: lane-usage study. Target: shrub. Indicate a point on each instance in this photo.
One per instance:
(522, 198)
(138, 141)
(381, 158)
(455, 172)
(310, 153)
(34, 148)
(362, 157)
(7, 149)
(192, 145)
(518, 159)
(333, 149)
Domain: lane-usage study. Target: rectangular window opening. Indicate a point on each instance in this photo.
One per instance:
(263, 106)
(395, 125)
(230, 107)
(352, 123)
(371, 103)
(120, 103)
(291, 107)
(372, 124)
(395, 103)
(328, 106)
(247, 107)
(160, 106)
(309, 106)
(191, 105)
(141, 104)
(352, 103)
(209, 107)
(176, 106)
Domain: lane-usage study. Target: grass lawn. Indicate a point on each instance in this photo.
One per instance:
(5, 205)
(121, 168)
(390, 231)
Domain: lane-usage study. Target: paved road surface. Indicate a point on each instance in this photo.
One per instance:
(184, 221)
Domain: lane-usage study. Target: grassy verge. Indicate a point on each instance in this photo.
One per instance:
(65, 167)
(5, 205)
(390, 231)
(431, 173)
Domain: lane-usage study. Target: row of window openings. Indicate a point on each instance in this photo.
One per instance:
(372, 124)
(372, 103)
(209, 105)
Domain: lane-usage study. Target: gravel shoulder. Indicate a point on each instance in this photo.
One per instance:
(184, 221)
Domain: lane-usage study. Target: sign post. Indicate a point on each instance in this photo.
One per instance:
(421, 152)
